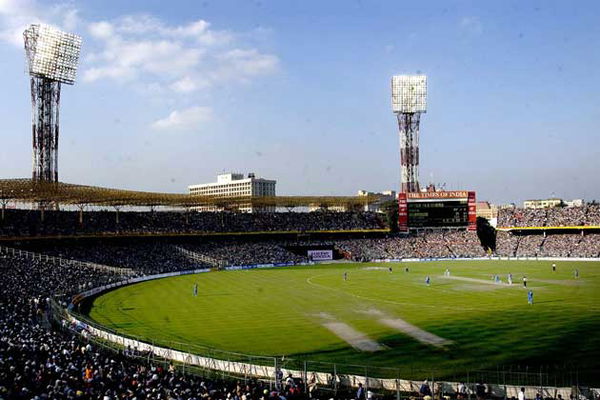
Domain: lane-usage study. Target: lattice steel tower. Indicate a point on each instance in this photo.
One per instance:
(409, 101)
(52, 58)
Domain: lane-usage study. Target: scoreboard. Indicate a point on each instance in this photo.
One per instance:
(438, 213)
(452, 209)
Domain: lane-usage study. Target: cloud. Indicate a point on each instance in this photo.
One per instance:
(101, 30)
(471, 25)
(188, 119)
(244, 64)
(170, 63)
(144, 50)
(121, 58)
(182, 58)
(188, 84)
(144, 24)
(16, 15)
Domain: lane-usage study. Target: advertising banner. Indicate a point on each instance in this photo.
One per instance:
(472, 212)
(320, 255)
(402, 213)
(452, 194)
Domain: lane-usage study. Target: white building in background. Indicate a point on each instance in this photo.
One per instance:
(543, 203)
(235, 185)
(554, 202)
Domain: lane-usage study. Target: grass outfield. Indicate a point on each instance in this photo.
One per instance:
(376, 318)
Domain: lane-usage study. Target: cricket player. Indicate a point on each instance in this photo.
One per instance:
(390, 268)
(576, 273)
(447, 272)
(427, 280)
(553, 267)
(509, 278)
(524, 281)
(406, 269)
(345, 276)
(195, 289)
(530, 297)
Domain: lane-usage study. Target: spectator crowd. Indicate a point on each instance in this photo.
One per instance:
(19, 222)
(587, 215)
(428, 244)
(466, 244)
(152, 256)
(41, 360)
(551, 245)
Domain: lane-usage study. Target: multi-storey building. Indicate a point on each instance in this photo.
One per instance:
(235, 185)
(544, 203)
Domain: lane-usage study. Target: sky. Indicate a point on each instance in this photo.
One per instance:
(173, 93)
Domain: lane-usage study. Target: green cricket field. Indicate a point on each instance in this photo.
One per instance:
(365, 314)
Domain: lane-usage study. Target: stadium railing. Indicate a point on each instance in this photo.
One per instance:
(64, 262)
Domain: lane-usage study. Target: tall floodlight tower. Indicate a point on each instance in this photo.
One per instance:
(409, 100)
(52, 58)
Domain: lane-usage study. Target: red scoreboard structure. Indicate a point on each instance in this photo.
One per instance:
(451, 209)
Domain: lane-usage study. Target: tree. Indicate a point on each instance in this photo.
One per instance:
(390, 208)
(486, 234)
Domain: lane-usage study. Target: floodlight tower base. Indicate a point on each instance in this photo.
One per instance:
(408, 124)
(45, 100)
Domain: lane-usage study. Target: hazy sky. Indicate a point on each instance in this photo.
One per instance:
(170, 93)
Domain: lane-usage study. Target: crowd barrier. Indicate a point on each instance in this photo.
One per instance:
(319, 378)
(63, 261)
(268, 265)
(198, 257)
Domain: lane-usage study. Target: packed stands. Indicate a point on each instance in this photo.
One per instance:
(589, 246)
(31, 223)
(464, 244)
(529, 246)
(241, 253)
(506, 244)
(588, 215)
(362, 249)
(560, 245)
(146, 257)
(152, 256)
(42, 361)
(434, 242)
(423, 245)
(519, 217)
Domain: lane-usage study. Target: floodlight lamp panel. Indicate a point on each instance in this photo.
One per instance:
(409, 94)
(51, 53)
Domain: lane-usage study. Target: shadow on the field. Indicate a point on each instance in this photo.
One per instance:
(548, 301)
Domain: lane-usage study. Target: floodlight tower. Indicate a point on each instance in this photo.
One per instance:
(52, 58)
(409, 100)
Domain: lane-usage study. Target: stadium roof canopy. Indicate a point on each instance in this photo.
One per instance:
(27, 190)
